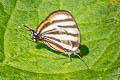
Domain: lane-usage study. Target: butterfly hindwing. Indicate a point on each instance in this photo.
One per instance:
(60, 31)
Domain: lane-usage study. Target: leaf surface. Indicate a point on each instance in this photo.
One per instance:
(99, 24)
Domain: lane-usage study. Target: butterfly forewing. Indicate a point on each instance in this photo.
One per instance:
(60, 32)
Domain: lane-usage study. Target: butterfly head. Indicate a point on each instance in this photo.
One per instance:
(35, 37)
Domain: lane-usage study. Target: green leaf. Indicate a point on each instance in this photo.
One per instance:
(99, 24)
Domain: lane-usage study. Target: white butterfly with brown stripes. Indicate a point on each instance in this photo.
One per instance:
(60, 32)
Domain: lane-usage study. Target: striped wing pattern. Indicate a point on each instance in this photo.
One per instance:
(60, 32)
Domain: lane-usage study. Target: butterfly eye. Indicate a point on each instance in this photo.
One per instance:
(34, 40)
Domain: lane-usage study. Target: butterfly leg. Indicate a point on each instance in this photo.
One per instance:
(81, 59)
(59, 55)
(67, 58)
(77, 51)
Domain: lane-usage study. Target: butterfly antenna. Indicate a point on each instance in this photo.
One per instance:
(28, 28)
(82, 60)
(23, 30)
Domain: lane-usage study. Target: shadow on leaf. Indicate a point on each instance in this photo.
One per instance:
(42, 45)
(83, 50)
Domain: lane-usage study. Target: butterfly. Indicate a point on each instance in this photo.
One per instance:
(60, 32)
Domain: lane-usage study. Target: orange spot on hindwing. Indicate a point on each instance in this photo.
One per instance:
(56, 47)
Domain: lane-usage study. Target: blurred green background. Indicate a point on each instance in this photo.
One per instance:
(99, 24)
